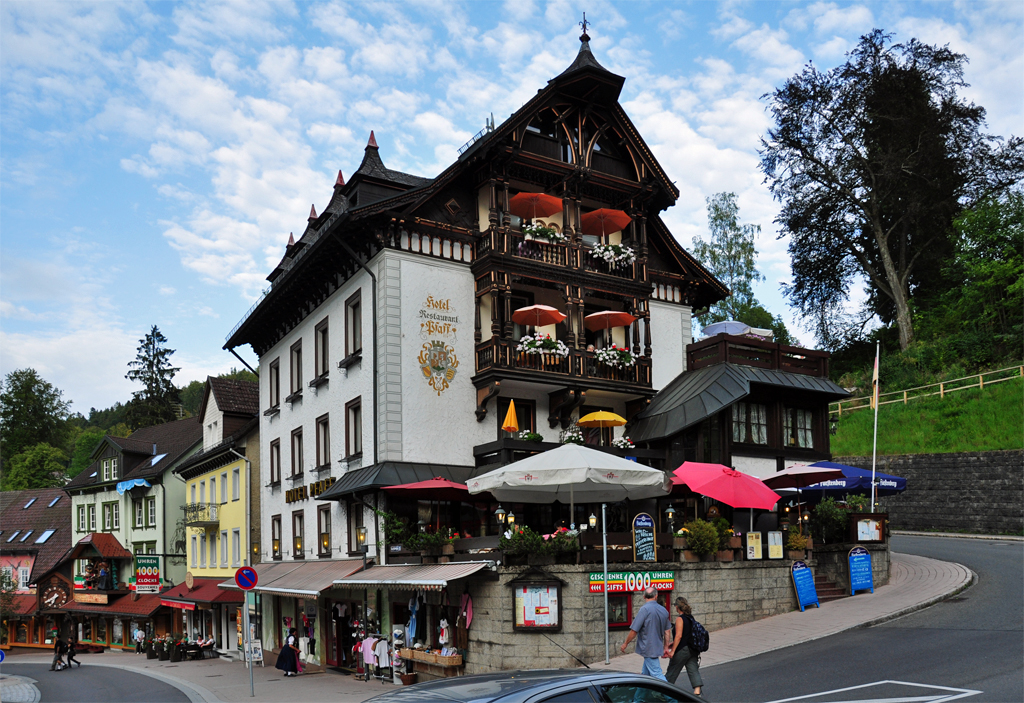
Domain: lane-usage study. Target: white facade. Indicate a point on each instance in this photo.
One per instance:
(671, 332)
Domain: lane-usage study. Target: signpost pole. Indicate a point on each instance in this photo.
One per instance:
(248, 644)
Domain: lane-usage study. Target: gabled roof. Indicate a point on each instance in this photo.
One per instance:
(39, 517)
(373, 167)
(218, 455)
(234, 397)
(105, 544)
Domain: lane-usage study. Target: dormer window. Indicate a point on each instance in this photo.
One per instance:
(109, 467)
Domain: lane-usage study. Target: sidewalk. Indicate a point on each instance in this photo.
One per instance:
(915, 583)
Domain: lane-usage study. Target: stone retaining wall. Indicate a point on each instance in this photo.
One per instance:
(831, 561)
(980, 492)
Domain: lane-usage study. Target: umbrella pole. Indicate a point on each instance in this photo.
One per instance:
(604, 556)
(572, 510)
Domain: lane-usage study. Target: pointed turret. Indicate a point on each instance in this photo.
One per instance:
(340, 181)
(339, 203)
(372, 143)
(312, 213)
(291, 240)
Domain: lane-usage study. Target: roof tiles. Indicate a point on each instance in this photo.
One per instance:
(37, 517)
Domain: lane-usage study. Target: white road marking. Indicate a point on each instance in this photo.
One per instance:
(948, 694)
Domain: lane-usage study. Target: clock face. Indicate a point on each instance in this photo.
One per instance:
(55, 595)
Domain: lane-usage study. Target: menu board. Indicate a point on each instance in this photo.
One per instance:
(775, 545)
(644, 548)
(537, 606)
(869, 530)
(753, 545)
(861, 578)
(803, 582)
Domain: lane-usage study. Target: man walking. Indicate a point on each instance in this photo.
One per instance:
(59, 649)
(652, 632)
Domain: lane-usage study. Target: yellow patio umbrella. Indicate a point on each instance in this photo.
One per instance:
(602, 419)
(511, 423)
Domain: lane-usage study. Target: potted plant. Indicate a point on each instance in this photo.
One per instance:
(615, 255)
(563, 544)
(176, 648)
(542, 345)
(528, 436)
(679, 539)
(572, 435)
(524, 545)
(540, 233)
(623, 442)
(614, 357)
(151, 652)
(796, 545)
(701, 539)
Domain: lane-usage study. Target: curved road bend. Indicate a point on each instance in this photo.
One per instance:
(969, 647)
(96, 684)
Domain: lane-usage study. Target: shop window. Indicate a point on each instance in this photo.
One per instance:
(297, 452)
(354, 428)
(87, 630)
(750, 423)
(620, 609)
(118, 631)
(526, 415)
(223, 547)
(296, 367)
(236, 547)
(322, 359)
(275, 462)
(355, 521)
(323, 441)
(101, 630)
(354, 325)
(298, 546)
(275, 537)
(275, 383)
(21, 633)
(323, 520)
(236, 484)
(798, 428)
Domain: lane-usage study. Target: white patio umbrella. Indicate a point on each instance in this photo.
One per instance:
(572, 471)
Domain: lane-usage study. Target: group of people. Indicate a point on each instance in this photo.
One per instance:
(62, 649)
(657, 638)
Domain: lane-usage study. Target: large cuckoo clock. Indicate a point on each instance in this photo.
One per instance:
(55, 594)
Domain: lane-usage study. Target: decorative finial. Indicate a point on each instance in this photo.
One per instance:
(340, 181)
(373, 140)
(291, 239)
(584, 24)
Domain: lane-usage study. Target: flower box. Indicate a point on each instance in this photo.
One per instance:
(735, 543)
(542, 345)
(725, 555)
(615, 255)
(690, 556)
(546, 235)
(795, 554)
(614, 357)
(678, 542)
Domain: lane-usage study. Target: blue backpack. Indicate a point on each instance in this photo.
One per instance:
(700, 640)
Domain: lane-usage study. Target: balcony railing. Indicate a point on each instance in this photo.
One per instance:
(747, 351)
(627, 271)
(201, 514)
(545, 252)
(502, 353)
(506, 450)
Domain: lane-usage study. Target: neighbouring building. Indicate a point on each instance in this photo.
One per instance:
(35, 533)
(221, 510)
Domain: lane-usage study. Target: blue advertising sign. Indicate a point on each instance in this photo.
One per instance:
(644, 548)
(861, 578)
(803, 582)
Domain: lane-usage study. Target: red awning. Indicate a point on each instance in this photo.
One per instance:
(204, 590)
(131, 605)
(183, 605)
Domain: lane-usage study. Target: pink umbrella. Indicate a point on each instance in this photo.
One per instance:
(727, 485)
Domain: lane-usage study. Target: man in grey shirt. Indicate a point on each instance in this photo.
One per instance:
(653, 634)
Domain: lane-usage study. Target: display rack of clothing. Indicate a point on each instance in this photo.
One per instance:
(377, 654)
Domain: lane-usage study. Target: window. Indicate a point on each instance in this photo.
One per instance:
(275, 461)
(236, 547)
(213, 489)
(223, 547)
(620, 609)
(296, 367)
(82, 525)
(275, 536)
(194, 552)
(323, 521)
(798, 427)
(109, 469)
(213, 550)
(526, 412)
(28, 504)
(750, 423)
(111, 516)
(16, 533)
(275, 383)
(53, 502)
(26, 535)
(651, 692)
(224, 487)
(580, 695)
(23, 573)
(202, 550)
(193, 493)
(92, 518)
(297, 452)
(355, 521)
(137, 548)
(322, 360)
(151, 509)
(236, 484)
(150, 547)
(47, 534)
(139, 513)
(298, 546)
(323, 441)
(202, 491)
(354, 427)
(353, 325)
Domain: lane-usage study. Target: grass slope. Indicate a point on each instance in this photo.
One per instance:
(966, 421)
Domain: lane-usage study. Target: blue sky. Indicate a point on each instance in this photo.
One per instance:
(155, 156)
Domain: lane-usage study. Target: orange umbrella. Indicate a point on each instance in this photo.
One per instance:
(537, 316)
(511, 423)
(607, 319)
(532, 205)
(604, 220)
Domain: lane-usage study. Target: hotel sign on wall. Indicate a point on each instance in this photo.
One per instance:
(438, 329)
(305, 492)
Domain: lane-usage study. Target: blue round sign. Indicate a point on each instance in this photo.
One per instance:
(246, 578)
(2, 656)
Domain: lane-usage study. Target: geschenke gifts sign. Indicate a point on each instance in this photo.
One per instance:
(632, 581)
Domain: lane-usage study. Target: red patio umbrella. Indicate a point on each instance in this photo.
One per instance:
(537, 316)
(607, 319)
(604, 220)
(534, 205)
(728, 486)
(434, 489)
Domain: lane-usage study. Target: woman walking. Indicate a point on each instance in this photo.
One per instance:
(680, 652)
(72, 651)
(288, 659)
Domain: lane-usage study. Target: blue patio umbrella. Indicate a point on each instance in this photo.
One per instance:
(853, 481)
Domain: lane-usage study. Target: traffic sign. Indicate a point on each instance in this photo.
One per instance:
(246, 578)
(2, 655)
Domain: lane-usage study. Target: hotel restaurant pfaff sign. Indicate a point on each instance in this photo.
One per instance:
(305, 492)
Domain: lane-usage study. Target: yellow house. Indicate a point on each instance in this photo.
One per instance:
(221, 514)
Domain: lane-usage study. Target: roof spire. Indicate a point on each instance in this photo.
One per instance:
(312, 213)
(372, 142)
(291, 239)
(584, 24)
(341, 180)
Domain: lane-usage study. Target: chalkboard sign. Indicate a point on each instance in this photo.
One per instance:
(643, 538)
(861, 578)
(803, 582)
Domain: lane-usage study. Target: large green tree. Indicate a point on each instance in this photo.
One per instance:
(40, 466)
(872, 161)
(155, 403)
(31, 411)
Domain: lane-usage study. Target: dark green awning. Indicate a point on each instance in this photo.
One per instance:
(695, 395)
(393, 473)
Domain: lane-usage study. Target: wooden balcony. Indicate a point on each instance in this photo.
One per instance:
(500, 357)
(539, 250)
(746, 351)
(506, 450)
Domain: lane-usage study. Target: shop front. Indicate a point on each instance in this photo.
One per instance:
(207, 611)
(23, 627)
(113, 625)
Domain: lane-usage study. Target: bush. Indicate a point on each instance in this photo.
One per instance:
(702, 537)
(857, 503)
(725, 532)
(523, 540)
(829, 522)
(796, 541)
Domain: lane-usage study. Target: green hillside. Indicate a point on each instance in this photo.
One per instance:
(966, 421)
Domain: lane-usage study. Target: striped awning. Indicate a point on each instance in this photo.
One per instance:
(413, 576)
(300, 579)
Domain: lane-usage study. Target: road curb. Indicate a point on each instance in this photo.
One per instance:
(195, 692)
(958, 535)
(14, 681)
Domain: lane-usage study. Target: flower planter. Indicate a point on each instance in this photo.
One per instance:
(165, 655)
(690, 556)
(724, 555)
(810, 543)
(176, 653)
(678, 542)
(540, 559)
(407, 679)
(448, 549)
(795, 554)
(710, 557)
(735, 543)
(150, 652)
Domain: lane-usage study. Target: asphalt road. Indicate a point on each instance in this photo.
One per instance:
(95, 684)
(973, 642)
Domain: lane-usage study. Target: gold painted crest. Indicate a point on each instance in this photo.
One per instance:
(438, 363)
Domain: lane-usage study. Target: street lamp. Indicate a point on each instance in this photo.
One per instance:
(511, 519)
(362, 547)
(670, 513)
(500, 515)
(593, 521)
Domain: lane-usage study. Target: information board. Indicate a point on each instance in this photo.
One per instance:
(869, 530)
(775, 545)
(753, 545)
(632, 581)
(644, 548)
(537, 606)
(257, 651)
(861, 578)
(803, 582)
(147, 573)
